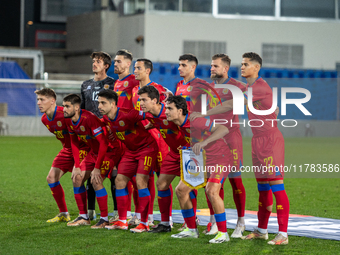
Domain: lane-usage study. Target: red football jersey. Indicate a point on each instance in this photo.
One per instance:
(262, 100)
(163, 147)
(135, 96)
(169, 130)
(126, 126)
(57, 126)
(124, 88)
(199, 130)
(89, 129)
(225, 94)
(192, 91)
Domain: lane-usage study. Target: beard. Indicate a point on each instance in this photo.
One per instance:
(68, 116)
(216, 76)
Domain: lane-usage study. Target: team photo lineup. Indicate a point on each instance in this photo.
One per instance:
(133, 129)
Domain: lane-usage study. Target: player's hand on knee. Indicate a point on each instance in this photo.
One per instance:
(96, 177)
(75, 173)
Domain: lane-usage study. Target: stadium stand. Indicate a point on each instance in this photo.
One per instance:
(12, 93)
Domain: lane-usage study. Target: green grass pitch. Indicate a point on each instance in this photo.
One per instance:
(26, 203)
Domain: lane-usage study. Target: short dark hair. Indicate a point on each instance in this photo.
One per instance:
(151, 91)
(109, 95)
(253, 57)
(224, 57)
(189, 57)
(47, 92)
(104, 56)
(73, 99)
(179, 102)
(127, 54)
(147, 63)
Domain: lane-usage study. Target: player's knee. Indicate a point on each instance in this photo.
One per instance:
(97, 186)
(161, 185)
(180, 192)
(141, 183)
(77, 181)
(212, 192)
(121, 181)
(49, 179)
(53, 175)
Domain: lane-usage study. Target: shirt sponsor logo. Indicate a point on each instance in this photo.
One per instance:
(82, 128)
(96, 130)
(59, 123)
(121, 123)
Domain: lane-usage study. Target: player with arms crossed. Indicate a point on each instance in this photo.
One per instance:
(139, 157)
(203, 134)
(100, 160)
(53, 119)
(267, 150)
(170, 168)
(101, 62)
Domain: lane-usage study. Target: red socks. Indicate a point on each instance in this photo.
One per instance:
(122, 202)
(282, 206)
(239, 195)
(80, 195)
(59, 196)
(102, 202)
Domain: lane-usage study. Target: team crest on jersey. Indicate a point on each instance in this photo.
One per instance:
(121, 123)
(82, 128)
(189, 88)
(126, 84)
(59, 123)
(106, 86)
(165, 122)
(188, 130)
(225, 91)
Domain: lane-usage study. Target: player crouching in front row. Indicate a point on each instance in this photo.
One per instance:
(85, 126)
(217, 153)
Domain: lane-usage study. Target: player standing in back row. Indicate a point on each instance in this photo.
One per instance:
(267, 151)
(101, 62)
